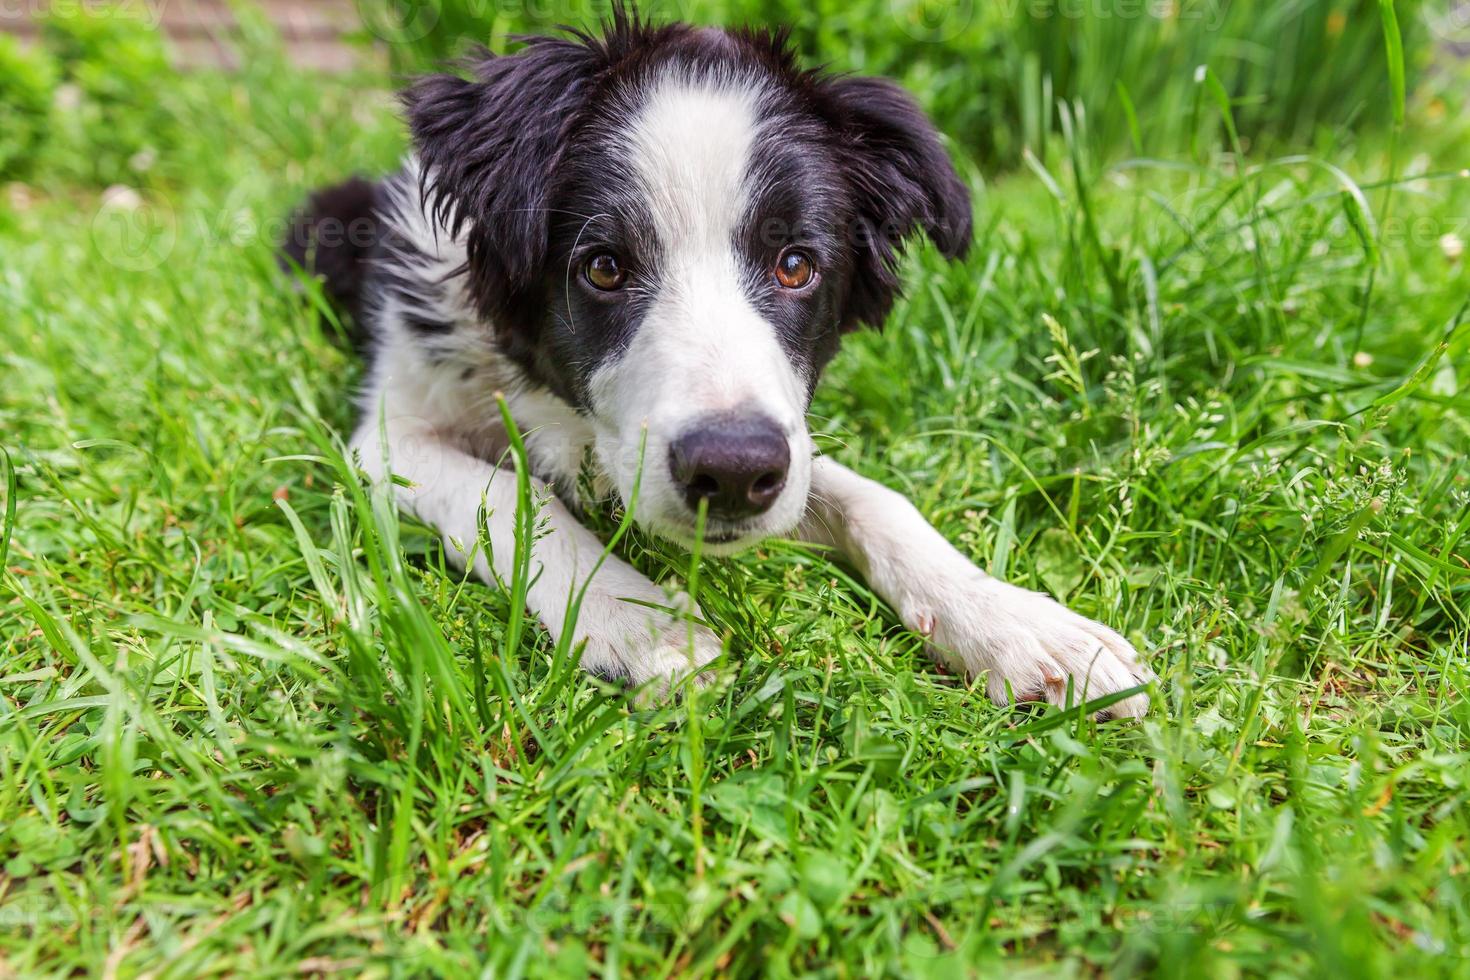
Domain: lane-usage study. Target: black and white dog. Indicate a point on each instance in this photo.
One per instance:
(651, 241)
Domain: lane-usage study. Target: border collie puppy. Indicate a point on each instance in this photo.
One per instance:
(651, 241)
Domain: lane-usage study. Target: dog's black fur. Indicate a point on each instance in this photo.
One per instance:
(335, 235)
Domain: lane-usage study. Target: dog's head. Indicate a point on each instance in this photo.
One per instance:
(670, 228)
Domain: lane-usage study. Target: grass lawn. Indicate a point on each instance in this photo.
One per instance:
(250, 722)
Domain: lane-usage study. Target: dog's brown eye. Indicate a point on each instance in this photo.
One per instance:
(604, 272)
(795, 269)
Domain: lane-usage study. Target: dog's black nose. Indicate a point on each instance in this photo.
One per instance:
(736, 462)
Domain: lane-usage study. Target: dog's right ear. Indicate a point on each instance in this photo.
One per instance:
(903, 182)
(489, 146)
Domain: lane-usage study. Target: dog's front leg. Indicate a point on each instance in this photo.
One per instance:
(632, 630)
(974, 623)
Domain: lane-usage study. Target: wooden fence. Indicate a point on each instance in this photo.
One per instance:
(200, 31)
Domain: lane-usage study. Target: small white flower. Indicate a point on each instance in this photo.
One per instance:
(1453, 246)
(68, 97)
(121, 197)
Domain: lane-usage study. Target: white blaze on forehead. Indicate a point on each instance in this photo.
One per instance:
(690, 148)
(702, 345)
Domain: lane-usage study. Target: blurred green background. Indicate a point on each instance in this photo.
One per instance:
(1298, 73)
(991, 70)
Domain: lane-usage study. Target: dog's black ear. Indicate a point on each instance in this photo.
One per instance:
(903, 182)
(489, 146)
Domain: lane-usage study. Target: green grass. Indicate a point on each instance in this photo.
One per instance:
(251, 723)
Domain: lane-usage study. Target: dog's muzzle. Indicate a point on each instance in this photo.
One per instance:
(737, 464)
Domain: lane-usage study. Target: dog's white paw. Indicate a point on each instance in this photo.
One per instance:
(1029, 641)
(650, 649)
